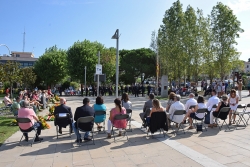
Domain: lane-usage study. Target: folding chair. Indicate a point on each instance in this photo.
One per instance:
(241, 109)
(223, 110)
(89, 122)
(117, 118)
(247, 112)
(147, 112)
(62, 119)
(178, 113)
(158, 121)
(196, 119)
(129, 113)
(99, 114)
(27, 120)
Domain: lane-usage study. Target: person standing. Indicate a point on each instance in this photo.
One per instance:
(83, 111)
(64, 109)
(240, 84)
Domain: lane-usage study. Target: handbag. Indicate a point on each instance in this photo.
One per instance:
(199, 128)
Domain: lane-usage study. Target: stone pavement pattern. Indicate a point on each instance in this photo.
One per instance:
(226, 148)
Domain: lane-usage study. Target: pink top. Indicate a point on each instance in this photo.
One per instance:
(6, 100)
(26, 113)
(118, 123)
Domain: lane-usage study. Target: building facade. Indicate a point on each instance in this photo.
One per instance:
(247, 67)
(26, 59)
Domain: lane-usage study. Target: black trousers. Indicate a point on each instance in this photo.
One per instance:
(38, 126)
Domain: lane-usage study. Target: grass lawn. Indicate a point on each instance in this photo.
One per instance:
(5, 129)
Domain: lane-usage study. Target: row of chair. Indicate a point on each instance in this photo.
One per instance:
(64, 119)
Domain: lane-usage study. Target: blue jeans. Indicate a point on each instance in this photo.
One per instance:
(78, 135)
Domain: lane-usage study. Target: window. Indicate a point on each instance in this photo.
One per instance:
(25, 64)
(247, 66)
(17, 55)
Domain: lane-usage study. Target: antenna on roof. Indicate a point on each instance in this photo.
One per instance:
(24, 39)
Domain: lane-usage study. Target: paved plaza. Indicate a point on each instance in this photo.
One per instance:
(208, 148)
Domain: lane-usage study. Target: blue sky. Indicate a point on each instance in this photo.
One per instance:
(63, 22)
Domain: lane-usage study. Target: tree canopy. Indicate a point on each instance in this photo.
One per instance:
(52, 65)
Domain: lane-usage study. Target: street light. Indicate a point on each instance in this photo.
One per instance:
(142, 77)
(6, 47)
(116, 36)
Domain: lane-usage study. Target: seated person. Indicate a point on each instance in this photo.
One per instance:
(62, 108)
(125, 101)
(170, 100)
(99, 106)
(83, 111)
(191, 102)
(50, 93)
(117, 123)
(213, 114)
(191, 112)
(214, 100)
(26, 112)
(156, 107)
(7, 100)
(16, 106)
(177, 105)
(148, 104)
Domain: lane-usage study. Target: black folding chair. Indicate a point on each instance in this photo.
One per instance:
(89, 122)
(129, 113)
(117, 118)
(196, 119)
(101, 113)
(241, 109)
(27, 120)
(178, 113)
(62, 119)
(223, 110)
(158, 121)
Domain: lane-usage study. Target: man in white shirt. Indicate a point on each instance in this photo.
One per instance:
(191, 102)
(177, 105)
(214, 100)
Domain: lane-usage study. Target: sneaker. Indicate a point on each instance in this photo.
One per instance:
(60, 131)
(26, 139)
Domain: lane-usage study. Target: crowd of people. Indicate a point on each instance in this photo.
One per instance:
(37, 99)
(153, 104)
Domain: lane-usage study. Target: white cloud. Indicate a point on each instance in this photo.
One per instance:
(239, 5)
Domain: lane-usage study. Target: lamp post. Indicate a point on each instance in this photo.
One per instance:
(98, 74)
(142, 78)
(6, 47)
(116, 36)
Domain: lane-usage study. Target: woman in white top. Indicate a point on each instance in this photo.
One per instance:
(191, 112)
(125, 101)
(233, 102)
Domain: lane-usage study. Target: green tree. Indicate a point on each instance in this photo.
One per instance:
(51, 67)
(28, 76)
(226, 29)
(11, 73)
(84, 53)
(170, 36)
(135, 62)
